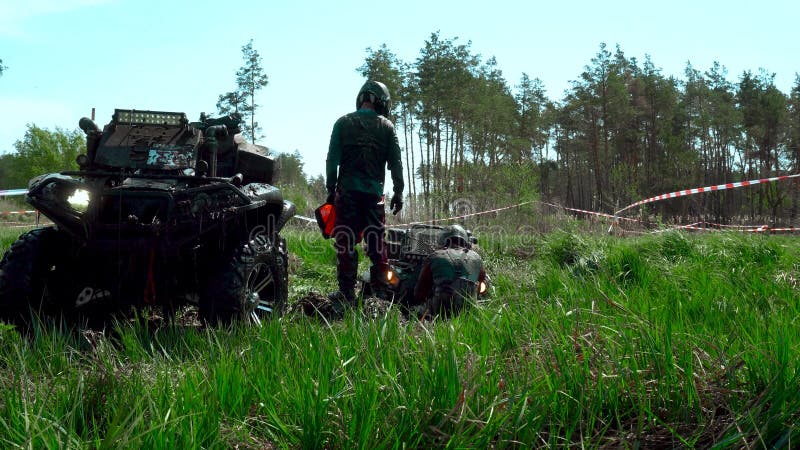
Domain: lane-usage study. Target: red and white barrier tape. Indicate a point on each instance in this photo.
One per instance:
(10, 192)
(719, 225)
(464, 216)
(305, 219)
(719, 187)
(691, 226)
(702, 226)
(773, 230)
(698, 226)
(593, 213)
(694, 226)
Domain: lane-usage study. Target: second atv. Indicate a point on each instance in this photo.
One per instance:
(407, 250)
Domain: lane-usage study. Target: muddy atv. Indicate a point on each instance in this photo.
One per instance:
(162, 213)
(407, 250)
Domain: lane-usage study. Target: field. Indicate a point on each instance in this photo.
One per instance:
(660, 341)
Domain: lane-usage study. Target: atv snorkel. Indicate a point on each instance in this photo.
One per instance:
(211, 133)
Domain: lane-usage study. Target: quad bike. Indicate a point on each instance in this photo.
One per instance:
(407, 250)
(162, 212)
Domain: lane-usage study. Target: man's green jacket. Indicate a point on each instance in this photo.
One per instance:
(363, 145)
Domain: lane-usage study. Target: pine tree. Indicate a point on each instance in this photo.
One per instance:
(250, 78)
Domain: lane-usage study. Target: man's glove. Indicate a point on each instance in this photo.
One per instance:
(397, 203)
(331, 196)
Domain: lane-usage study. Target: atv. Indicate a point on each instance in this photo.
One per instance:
(407, 250)
(161, 213)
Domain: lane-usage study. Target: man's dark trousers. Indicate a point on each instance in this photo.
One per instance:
(358, 215)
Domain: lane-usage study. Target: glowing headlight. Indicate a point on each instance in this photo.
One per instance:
(79, 200)
(391, 277)
(482, 287)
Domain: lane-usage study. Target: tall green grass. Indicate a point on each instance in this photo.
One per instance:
(661, 341)
(8, 236)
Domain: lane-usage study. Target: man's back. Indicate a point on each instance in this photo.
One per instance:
(364, 144)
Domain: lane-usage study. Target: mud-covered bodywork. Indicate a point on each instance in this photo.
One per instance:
(161, 212)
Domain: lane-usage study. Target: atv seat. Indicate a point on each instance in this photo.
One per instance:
(253, 162)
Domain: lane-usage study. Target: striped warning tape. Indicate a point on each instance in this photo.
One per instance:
(10, 192)
(694, 226)
(691, 226)
(719, 187)
(593, 213)
(464, 216)
(703, 226)
(774, 230)
(698, 226)
(304, 219)
(719, 225)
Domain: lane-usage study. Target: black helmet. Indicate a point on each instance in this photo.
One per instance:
(376, 93)
(454, 235)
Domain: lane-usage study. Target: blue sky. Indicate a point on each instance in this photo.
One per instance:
(65, 57)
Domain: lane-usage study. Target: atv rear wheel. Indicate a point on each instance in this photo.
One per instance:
(251, 287)
(33, 276)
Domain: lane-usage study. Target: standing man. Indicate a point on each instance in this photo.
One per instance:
(363, 145)
(451, 275)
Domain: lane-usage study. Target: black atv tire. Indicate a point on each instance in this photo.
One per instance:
(253, 285)
(32, 276)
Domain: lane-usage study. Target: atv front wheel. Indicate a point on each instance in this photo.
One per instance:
(251, 287)
(32, 276)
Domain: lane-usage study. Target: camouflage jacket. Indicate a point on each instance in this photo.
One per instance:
(363, 145)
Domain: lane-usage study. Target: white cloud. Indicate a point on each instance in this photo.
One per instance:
(14, 13)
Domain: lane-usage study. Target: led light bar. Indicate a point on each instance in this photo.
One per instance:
(134, 117)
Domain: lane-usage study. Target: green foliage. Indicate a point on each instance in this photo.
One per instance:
(7, 237)
(307, 194)
(230, 102)
(40, 151)
(566, 249)
(675, 247)
(289, 169)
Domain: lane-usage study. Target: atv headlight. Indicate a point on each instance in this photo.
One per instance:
(79, 200)
(392, 278)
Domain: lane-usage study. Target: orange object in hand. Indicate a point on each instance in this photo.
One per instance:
(326, 218)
